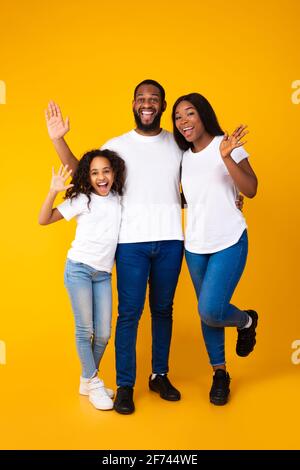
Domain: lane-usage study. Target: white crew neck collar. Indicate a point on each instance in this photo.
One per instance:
(147, 138)
(99, 197)
(205, 148)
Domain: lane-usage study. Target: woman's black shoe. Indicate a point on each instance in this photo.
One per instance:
(219, 391)
(247, 336)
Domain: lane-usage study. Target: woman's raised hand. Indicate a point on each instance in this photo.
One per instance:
(59, 179)
(232, 141)
(56, 126)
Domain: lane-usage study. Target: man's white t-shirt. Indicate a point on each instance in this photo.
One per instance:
(151, 205)
(213, 220)
(97, 229)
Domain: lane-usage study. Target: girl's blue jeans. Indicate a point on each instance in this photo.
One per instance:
(215, 277)
(91, 299)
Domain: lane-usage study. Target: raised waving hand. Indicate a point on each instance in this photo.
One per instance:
(48, 214)
(59, 179)
(233, 141)
(56, 125)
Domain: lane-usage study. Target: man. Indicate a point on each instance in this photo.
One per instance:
(150, 245)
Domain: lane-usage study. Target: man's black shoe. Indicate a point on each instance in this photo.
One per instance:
(124, 401)
(162, 385)
(247, 336)
(220, 390)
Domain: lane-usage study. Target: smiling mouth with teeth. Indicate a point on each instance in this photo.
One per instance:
(146, 113)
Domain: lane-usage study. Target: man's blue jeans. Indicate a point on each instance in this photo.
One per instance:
(215, 277)
(137, 263)
(90, 295)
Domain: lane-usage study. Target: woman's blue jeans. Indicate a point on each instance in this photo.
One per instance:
(91, 299)
(215, 277)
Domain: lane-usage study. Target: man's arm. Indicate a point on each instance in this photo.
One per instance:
(57, 129)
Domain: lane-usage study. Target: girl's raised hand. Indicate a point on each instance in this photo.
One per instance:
(58, 181)
(232, 141)
(56, 126)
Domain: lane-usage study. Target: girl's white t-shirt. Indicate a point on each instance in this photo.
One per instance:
(213, 222)
(97, 229)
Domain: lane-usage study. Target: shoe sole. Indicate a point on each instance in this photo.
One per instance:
(245, 355)
(219, 402)
(104, 408)
(124, 412)
(164, 398)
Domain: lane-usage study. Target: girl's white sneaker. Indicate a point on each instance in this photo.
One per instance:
(84, 390)
(98, 396)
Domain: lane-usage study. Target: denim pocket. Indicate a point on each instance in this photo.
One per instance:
(75, 263)
(74, 270)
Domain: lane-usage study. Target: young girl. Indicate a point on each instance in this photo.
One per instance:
(93, 198)
(214, 168)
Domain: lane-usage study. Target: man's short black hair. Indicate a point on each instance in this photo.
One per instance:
(154, 83)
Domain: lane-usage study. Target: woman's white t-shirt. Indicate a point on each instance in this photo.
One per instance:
(97, 229)
(213, 220)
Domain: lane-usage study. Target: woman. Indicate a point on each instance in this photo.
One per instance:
(214, 168)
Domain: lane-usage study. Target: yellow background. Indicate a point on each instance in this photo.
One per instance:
(88, 56)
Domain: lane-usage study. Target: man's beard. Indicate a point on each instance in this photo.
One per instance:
(155, 124)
